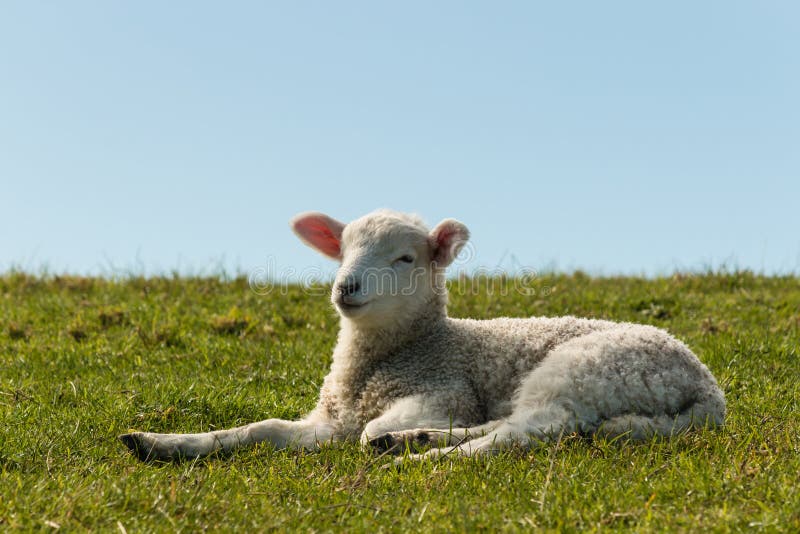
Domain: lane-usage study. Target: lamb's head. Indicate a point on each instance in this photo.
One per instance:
(392, 266)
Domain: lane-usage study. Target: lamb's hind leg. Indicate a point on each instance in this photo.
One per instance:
(556, 419)
(544, 424)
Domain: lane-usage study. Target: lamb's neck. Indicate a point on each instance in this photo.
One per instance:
(374, 343)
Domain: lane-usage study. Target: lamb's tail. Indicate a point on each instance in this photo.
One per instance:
(708, 411)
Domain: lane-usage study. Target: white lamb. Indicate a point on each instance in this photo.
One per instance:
(405, 374)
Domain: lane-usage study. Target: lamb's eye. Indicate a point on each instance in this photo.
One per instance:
(408, 258)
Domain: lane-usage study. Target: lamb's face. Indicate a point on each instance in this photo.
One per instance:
(391, 264)
(386, 269)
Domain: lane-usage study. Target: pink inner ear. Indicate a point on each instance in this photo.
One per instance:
(448, 237)
(321, 232)
(444, 237)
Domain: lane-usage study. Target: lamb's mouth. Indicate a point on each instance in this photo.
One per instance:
(348, 308)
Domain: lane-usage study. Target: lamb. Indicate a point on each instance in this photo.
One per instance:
(405, 375)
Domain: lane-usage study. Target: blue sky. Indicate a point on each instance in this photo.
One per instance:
(616, 137)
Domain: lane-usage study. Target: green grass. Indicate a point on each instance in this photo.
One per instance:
(83, 360)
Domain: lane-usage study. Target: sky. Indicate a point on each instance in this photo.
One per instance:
(614, 137)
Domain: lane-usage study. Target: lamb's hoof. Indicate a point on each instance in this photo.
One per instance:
(396, 442)
(384, 444)
(137, 446)
(422, 440)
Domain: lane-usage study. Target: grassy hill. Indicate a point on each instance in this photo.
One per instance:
(83, 360)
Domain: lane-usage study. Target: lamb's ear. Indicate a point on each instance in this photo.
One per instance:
(446, 241)
(320, 232)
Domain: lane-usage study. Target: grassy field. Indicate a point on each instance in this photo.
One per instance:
(83, 360)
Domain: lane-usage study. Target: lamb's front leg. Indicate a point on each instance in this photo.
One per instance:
(416, 421)
(307, 433)
(419, 438)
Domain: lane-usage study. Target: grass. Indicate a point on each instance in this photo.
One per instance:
(83, 360)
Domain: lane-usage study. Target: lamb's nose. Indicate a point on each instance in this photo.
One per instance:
(348, 287)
